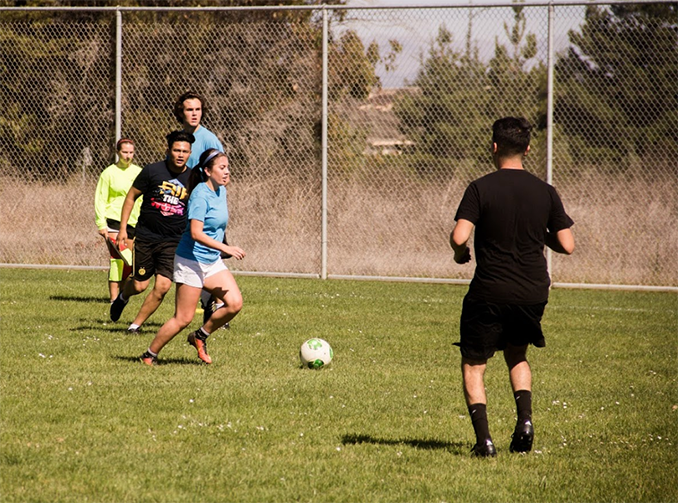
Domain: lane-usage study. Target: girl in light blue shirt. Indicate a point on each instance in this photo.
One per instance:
(197, 262)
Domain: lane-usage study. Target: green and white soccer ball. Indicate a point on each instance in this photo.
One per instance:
(316, 353)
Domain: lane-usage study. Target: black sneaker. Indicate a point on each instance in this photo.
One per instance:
(523, 435)
(117, 306)
(134, 331)
(484, 449)
(148, 359)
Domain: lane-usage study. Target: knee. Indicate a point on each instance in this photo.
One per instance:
(135, 288)
(160, 290)
(514, 355)
(234, 303)
(183, 321)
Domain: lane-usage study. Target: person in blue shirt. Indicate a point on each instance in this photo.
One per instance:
(190, 109)
(197, 260)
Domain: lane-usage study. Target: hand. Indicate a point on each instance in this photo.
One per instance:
(234, 251)
(104, 233)
(463, 257)
(122, 238)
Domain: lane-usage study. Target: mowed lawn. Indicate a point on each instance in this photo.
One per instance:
(83, 420)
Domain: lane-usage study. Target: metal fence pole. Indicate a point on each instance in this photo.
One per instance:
(549, 118)
(118, 75)
(323, 237)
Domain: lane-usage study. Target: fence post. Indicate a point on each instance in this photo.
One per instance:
(323, 273)
(118, 74)
(549, 118)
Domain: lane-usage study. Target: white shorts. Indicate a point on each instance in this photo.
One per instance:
(193, 273)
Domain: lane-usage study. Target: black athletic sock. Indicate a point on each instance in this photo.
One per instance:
(202, 334)
(478, 413)
(523, 399)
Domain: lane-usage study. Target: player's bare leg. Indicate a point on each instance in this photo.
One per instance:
(520, 375)
(153, 299)
(224, 288)
(186, 298)
(473, 373)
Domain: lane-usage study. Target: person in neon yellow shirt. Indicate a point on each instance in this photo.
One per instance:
(114, 183)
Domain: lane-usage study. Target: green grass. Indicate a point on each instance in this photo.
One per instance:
(83, 420)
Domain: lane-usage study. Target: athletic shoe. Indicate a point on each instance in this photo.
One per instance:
(149, 359)
(198, 341)
(134, 331)
(523, 435)
(484, 449)
(117, 307)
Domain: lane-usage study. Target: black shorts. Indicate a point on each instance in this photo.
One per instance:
(152, 258)
(487, 327)
(115, 225)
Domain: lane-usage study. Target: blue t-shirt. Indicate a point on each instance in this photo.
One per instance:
(211, 208)
(204, 139)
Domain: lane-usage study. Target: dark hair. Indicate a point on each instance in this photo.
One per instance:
(121, 141)
(176, 136)
(207, 159)
(512, 135)
(179, 105)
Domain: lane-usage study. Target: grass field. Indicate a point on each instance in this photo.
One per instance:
(83, 420)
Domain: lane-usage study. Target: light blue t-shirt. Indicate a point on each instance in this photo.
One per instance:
(211, 208)
(204, 139)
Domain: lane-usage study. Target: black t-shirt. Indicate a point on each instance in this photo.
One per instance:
(511, 209)
(164, 208)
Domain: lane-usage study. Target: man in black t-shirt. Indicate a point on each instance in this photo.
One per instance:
(162, 220)
(514, 214)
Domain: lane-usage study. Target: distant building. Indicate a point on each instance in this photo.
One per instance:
(376, 116)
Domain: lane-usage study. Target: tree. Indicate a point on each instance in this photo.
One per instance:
(616, 94)
(516, 78)
(446, 119)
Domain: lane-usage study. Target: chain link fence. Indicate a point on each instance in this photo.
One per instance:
(352, 133)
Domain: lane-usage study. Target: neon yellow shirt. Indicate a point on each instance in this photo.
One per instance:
(112, 188)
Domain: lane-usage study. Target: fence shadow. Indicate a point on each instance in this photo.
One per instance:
(426, 444)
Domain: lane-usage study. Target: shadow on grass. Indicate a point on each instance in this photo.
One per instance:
(149, 328)
(76, 298)
(454, 447)
(161, 361)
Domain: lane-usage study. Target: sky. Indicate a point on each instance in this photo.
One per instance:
(416, 28)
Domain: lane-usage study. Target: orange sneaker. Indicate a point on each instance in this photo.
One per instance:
(197, 340)
(149, 359)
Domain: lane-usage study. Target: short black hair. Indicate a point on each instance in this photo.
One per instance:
(512, 135)
(179, 105)
(176, 136)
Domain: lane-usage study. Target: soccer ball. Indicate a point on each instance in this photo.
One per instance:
(316, 353)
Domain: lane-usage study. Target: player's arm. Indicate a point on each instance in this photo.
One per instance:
(199, 236)
(100, 201)
(561, 241)
(459, 241)
(127, 207)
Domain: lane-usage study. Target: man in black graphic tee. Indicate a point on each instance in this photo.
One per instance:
(162, 220)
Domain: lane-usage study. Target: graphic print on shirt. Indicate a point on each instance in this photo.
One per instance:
(170, 198)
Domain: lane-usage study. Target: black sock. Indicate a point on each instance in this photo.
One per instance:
(478, 413)
(523, 399)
